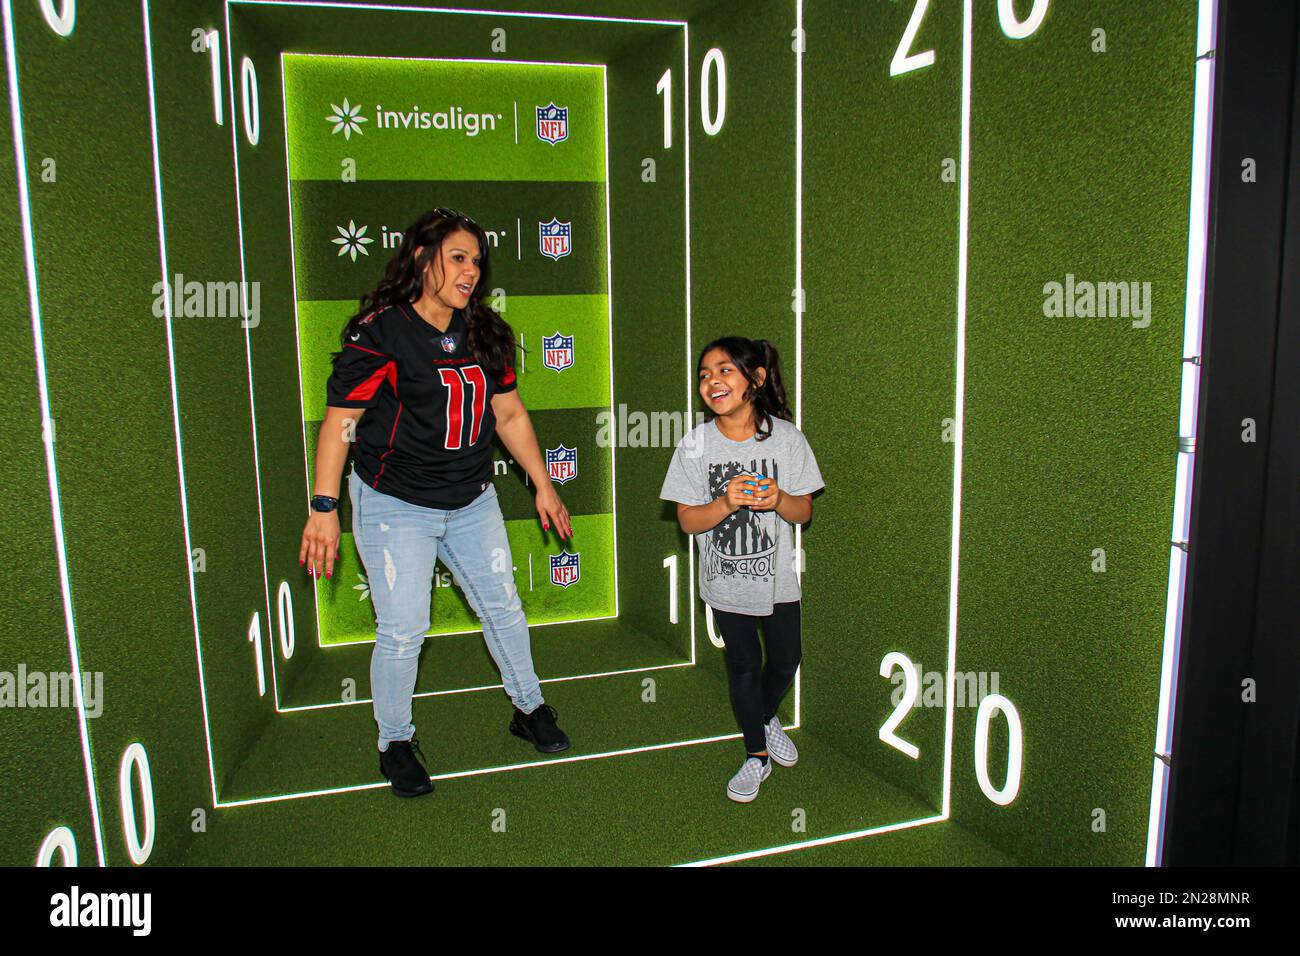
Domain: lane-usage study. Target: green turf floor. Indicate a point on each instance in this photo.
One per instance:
(454, 661)
(935, 844)
(657, 807)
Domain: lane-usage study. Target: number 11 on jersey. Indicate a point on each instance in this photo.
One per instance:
(452, 379)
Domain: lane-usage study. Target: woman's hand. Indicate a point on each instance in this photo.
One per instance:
(552, 511)
(320, 542)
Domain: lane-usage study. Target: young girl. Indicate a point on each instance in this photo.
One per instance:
(742, 481)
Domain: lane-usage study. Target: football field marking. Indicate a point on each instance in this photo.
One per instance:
(368, 7)
(47, 437)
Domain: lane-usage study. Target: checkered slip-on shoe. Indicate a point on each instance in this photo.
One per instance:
(744, 785)
(779, 746)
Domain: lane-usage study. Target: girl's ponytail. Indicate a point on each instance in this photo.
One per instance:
(770, 400)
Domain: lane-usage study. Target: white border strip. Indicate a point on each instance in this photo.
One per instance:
(477, 630)
(820, 841)
(959, 404)
(690, 395)
(1193, 323)
(690, 363)
(47, 439)
(176, 403)
(284, 102)
(308, 477)
(802, 304)
(502, 769)
(467, 690)
(426, 59)
(482, 13)
(609, 326)
(268, 629)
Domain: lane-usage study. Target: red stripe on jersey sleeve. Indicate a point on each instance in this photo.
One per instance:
(367, 389)
(509, 377)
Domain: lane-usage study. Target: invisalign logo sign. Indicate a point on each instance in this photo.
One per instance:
(352, 240)
(347, 119)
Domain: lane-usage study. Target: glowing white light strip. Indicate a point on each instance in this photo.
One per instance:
(1193, 321)
(802, 302)
(554, 761)
(690, 365)
(609, 297)
(477, 630)
(963, 249)
(820, 841)
(482, 13)
(176, 405)
(51, 466)
(248, 352)
(686, 61)
(438, 59)
(293, 262)
(297, 338)
(469, 690)
(609, 323)
(462, 690)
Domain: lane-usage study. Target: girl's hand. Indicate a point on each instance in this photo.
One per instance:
(766, 495)
(320, 543)
(741, 491)
(552, 512)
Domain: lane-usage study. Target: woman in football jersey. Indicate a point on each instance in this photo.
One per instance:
(424, 378)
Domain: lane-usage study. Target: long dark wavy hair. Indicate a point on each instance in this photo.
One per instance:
(749, 355)
(490, 339)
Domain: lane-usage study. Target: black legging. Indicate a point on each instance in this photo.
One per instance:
(756, 690)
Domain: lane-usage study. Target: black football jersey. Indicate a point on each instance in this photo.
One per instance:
(427, 435)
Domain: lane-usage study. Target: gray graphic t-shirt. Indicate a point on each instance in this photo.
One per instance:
(747, 560)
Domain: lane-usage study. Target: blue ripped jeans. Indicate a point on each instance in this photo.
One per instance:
(398, 543)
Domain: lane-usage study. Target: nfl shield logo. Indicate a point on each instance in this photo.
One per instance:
(557, 351)
(553, 237)
(565, 569)
(448, 343)
(562, 463)
(552, 123)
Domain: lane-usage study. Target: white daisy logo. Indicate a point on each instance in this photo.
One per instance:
(352, 240)
(363, 587)
(346, 120)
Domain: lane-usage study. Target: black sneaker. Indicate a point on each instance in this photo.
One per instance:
(399, 766)
(539, 727)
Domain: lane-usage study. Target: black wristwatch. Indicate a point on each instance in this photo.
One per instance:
(323, 503)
